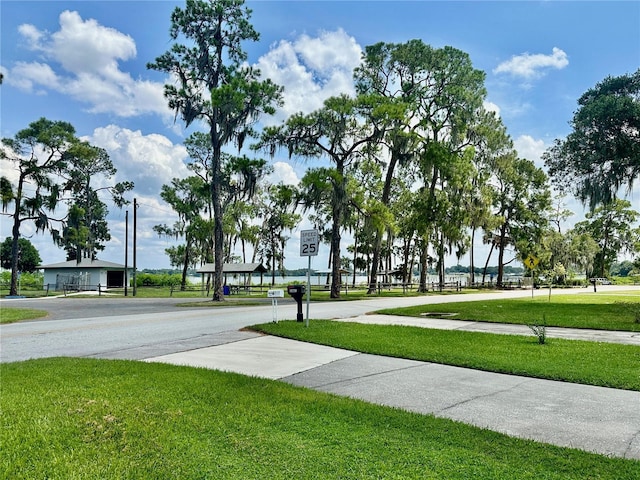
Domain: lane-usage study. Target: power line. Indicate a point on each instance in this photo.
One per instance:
(156, 208)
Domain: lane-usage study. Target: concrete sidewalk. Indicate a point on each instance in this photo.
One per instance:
(609, 336)
(596, 419)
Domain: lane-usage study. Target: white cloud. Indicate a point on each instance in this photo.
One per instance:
(86, 46)
(83, 62)
(284, 173)
(492, 107)
(531, 66)
(149, 161)
(31, 34)
(530, 148)
(329, 51)
(311, 69)
(26, 75)
(150, 246)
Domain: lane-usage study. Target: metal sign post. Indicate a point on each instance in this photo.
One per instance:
(531, 262)
(306, 318)
(309, 243)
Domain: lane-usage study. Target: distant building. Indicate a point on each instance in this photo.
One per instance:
(235, 269)
(86, 275)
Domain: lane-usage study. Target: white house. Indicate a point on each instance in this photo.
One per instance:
(86, 275)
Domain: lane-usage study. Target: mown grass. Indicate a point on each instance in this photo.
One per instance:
(317, 294)
(602, 364)
(97, 419)
(588, 310)
(25, 292)
(11, 314)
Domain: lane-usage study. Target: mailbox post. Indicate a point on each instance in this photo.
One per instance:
(297, 292)
(274, 295)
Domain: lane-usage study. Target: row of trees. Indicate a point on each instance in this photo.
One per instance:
(244, 198)
(418, 167)
(54, 167)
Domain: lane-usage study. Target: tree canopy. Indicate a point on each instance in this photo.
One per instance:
(337, 132)
(214, 84)
(28, 255)
(611, 225)
(602, 153)
(50, 162)
(86, 228)
(40, 154)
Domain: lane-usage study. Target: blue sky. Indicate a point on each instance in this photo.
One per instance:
(85, 62)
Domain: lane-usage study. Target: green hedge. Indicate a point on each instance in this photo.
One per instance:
(27, 280)
(158, 279)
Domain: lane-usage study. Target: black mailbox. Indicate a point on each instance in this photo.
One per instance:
(297, 292)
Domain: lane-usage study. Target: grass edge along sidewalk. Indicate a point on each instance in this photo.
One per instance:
(603, 311)
(86, 418)
(600, 364)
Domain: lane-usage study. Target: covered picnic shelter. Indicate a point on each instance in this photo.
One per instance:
(327, 273)
(235, 269)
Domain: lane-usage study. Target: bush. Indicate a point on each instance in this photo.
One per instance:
(158, 279)
(32, 281)
(540, 330)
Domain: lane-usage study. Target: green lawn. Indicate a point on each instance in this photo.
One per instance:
(11, 314)
(317, 294)
(98, 419)
(588, 310)
(603, 364)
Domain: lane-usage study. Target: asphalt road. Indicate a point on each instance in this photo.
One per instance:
(135, 328)
(89, 305)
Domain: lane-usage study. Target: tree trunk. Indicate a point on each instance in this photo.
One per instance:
(183, 283)
(501, 247)
(486, 264)
(422, 288)
(335, 259)
(355, 253)
(13, 289)
(406, 272)
(441, 261)
(472, 275)
(386, 192)
(375, 260)
(218, 233)
(338, 201)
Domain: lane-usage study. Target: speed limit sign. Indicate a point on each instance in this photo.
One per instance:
(309, 242)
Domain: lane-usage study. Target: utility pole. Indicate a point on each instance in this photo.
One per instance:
(135, 229)
(126, 250)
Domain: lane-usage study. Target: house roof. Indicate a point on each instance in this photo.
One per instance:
(395, 271)
(233, 268)
(84, 263)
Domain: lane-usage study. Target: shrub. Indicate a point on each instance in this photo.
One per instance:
(32, 281)
(540, 330)
(158, 279)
